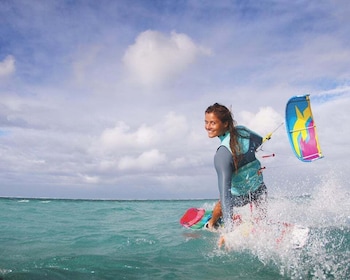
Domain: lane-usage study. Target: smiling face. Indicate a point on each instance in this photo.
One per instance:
(214, 126)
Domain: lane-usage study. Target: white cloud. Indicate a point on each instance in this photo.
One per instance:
(140, 149)
(264, 121)
(146, 161)
(120, 137)
(89, 179)
(155, 58)
(7, 66)
(338, 91)
(173, 127)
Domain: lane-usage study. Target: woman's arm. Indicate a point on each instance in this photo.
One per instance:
(223, 162)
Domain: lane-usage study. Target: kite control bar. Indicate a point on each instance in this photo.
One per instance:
(268, 136)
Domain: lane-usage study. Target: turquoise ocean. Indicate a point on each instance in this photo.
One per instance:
(111, 239)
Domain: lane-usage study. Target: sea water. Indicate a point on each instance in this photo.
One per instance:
(105, 239)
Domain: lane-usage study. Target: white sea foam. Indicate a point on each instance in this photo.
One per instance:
(325, 213)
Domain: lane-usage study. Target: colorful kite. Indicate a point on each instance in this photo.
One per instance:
(301, 129)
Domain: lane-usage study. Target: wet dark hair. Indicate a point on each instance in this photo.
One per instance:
(225, 116)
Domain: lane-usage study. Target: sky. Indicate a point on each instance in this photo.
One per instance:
(106, 99)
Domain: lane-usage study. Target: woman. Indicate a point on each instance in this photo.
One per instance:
(239, 172)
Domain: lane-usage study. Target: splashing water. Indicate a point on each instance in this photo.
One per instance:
(326, 254)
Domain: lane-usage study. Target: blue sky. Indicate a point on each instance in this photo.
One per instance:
(106, 99)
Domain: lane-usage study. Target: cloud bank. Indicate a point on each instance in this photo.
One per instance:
(155, 58)
(94, 104)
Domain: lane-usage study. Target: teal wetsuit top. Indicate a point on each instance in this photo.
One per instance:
(234, 184)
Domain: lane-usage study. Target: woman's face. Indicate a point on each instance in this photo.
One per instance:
(214, 126)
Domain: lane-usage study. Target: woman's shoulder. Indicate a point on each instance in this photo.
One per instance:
(223, 156)
(245, 132)
(242, 130)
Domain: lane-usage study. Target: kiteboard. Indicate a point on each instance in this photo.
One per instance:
(282, 233)
(196, 218)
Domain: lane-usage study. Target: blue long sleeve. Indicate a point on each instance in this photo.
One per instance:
(223, 162)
